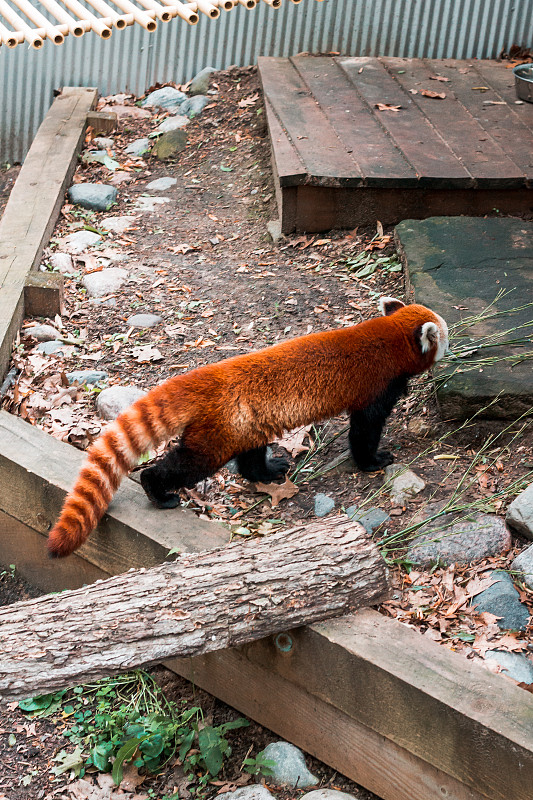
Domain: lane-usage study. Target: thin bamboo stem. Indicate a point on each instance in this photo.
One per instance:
(51, 31)
(74, 27)
(17, 22)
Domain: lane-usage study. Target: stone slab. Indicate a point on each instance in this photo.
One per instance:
(458, 266)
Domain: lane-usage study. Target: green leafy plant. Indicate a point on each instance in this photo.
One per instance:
(259, 765)
(365, 264)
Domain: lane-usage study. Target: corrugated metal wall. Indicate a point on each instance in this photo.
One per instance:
(133, 59)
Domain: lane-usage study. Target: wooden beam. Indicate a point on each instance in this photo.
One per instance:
(381, 686)
(34, 204)
(36, 471)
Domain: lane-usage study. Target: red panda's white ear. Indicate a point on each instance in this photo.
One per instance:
(429, 336)
(388, 305)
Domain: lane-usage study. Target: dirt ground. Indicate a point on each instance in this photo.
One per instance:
(205, 263)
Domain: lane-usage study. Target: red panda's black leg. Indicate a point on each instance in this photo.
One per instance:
(180, 468)
(257, 466)
(367, 424)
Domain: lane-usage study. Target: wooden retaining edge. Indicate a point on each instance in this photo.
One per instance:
(33, 207)
(395, 712)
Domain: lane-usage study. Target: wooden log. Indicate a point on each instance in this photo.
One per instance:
(200, 603)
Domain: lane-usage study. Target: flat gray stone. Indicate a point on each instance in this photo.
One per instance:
(161, 184)
(404, 483)
(144, 320)
(169, 144)
(523, 564)
(167, 97)
(194, 106)
(323, 505)
(62, 262)
(516, 665)
(200, 82)
(371, 519)
(459, 538)
(104, 142)
(83, 376)
(172, 124)
(79, 241)
(290, 768)
(50, 348)
(138, 148)
(502, 600)
(43, 333)
(117, 224)
(113, 401)
(520, 513)
(104, 282)
(457, 266)
(251, 792)
(94, 196)
(145, 204)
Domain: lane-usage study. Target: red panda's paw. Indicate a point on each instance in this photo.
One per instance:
(381, 460)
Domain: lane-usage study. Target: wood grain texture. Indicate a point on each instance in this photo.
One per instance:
(200, 603)
(34, 203)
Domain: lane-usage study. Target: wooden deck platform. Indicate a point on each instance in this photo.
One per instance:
(340, 161)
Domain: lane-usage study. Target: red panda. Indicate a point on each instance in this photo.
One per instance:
(234, 408)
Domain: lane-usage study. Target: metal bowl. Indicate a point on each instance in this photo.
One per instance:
(523, 78)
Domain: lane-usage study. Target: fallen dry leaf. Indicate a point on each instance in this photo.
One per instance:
(386, 107)
(293, 442)
(433, 95)
(146, 353)
(439, 78)
(278, 491)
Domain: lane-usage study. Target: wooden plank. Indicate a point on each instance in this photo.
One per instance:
(35, 201)
(502, 122)
(43, 294)
(132, 534)
(472, 144)
(430, 156)
(315, 725)
(379, 159)
(287, 165)
(423, 697)
(325, 157)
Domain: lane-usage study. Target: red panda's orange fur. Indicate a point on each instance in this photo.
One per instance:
(245, 402)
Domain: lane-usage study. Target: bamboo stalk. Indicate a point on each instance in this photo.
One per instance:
(50, 31)
(227, 5)
(208, 9)
(18, 23)
(99, 26)
(164, 14)
(141, 17)
(107, 12)
(75, 27)
(10, 38)
(183, 11)
(249, 4)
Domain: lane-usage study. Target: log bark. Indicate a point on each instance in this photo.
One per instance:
(199, 603)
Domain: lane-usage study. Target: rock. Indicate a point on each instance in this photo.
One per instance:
(113, 401)
(63, 262)
(454, 539)
(516, 665)
(274, 230)
(371, 519)
(161, 184)
(405, 485)
(523, 563)
(323, 505)
(121, 177)
(105, 282)
(419, 426)
(327, 794)
(150, 203)
(502, 600)
(95, 196)
(520, 513)
(138, 148)
(343, 464)
(251, 792)
(144, 320)
(50, 347)
(83, 376)
(172, 124)
(169, 144)
(200, 82)
(127, 111)
(194, 106)
(167, 97)
(290, 769)
(79, 241)
(100, 157)
(43, 333)
(117, 224)
(103, 142)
